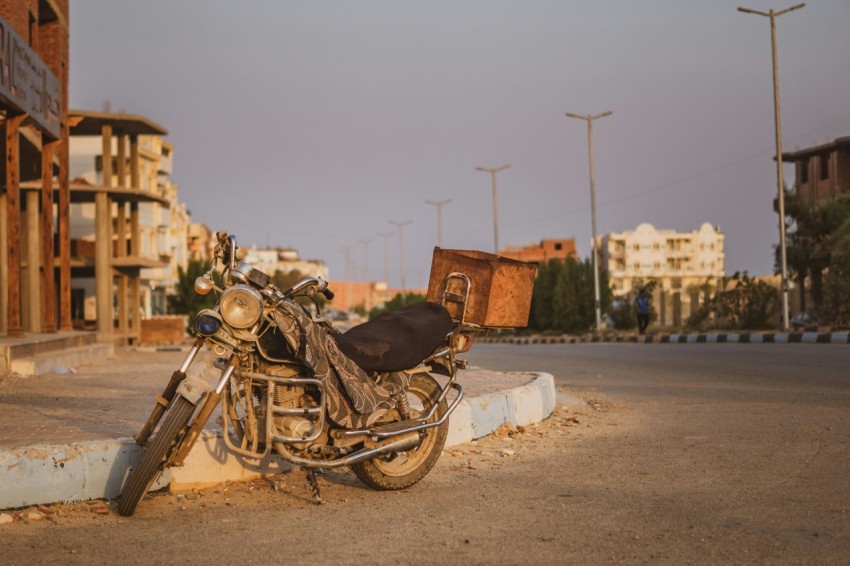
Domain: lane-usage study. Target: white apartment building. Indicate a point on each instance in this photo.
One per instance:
(682, 263)
(285, 260)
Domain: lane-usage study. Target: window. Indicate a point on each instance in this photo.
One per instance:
(803, 168)
(824, 166)
(558, 246)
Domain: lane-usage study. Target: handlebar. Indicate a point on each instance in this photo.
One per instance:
(320, 284)
(226, 251)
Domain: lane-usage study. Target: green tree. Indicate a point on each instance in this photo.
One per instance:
(563, 298)
(741, 303)
(809, 241)
(185, 300)
(837, 280)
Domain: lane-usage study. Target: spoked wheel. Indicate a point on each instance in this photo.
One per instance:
(403, 469)
(160, 448)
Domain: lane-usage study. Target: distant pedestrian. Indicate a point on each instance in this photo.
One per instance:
(642, 310)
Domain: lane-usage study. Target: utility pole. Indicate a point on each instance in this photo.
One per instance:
(439, 204)
(777, 121)
(386, 236)
(589, 119)
(365, 258)
(493, 171)
(400, 226)
(346, 250)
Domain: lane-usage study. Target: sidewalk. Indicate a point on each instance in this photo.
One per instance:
(682, 338)
(67, 437)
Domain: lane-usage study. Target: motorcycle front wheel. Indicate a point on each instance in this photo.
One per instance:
(403, 469)
(160, 448)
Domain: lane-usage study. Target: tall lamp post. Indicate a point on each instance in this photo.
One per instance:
(401, 226)
(439, 204)
(386, 236)
(778, 129)
(365, 258)
(493, 171)
(589, 119)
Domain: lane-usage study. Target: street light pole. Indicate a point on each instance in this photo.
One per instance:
(401, 226)
(493, 171)
(386, 236)
(439, 204)
(595, 252)
(346, 250)
(778, 128)
(365, 258)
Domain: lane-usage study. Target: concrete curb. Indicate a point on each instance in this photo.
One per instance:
(97, 470)
(712, 338)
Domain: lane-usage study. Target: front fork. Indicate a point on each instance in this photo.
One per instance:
(212, 399)
(163, 401)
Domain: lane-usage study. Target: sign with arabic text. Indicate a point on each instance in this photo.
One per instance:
(26, 84)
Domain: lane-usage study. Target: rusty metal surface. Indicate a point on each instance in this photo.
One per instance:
(500, 295)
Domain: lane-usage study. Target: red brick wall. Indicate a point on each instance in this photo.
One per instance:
(543, 251)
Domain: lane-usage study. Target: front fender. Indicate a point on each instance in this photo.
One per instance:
(193, 389)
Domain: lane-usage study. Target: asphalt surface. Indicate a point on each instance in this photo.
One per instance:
(737, 453)
(682, 454)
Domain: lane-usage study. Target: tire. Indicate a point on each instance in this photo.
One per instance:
(160, 448)
(402, 470)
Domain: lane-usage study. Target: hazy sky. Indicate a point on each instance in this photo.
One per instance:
(313, 124)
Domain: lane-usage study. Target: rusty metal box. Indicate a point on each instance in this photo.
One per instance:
(499, 292)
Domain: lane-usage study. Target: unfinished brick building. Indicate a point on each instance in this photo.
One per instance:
(822, 171)
(34, 250)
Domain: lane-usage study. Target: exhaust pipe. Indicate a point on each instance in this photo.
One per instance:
(395, 444)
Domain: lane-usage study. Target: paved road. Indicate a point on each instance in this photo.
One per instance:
(684, 454)
(748, 445)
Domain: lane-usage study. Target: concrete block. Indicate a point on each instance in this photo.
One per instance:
(809, 338)
(211, 463)
(67, 473)
(460, 425)
(533, 402)
(61, 361)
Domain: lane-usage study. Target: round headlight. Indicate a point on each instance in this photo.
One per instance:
(207, 322)
(241, 306)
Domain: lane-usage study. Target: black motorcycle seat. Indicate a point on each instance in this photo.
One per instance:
(397, 340)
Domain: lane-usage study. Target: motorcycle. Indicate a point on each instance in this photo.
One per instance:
(293, 385)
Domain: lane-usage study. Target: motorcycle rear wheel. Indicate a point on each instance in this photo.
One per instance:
(160, 448)
(404, 469)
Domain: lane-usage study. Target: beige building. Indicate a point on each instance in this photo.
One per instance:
(682, 264)
(201, 242)
(285, 260)
(124, 263)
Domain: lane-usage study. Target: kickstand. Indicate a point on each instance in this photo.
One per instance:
(314, 485)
